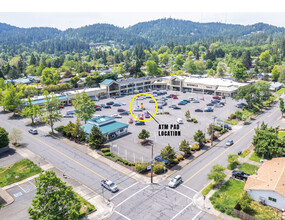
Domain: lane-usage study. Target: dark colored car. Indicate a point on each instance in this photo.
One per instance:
(139, 123)
(215, 101)
(223, 97)
(121, 110)
(210, 104)
(151, 101)
(240, 152)
(159, 159)
(116, 104)
(169, 96)
(185, 100)
(195, 101)
(227, 126)
(109, 103)
(159, 106)
(124, 113)
(176, 107)
(182, 103)
(198, 110)
(208, 109)
(107, 106)
(240, 175)
(98, 109)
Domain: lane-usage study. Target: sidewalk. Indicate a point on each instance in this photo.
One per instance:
(103, 207)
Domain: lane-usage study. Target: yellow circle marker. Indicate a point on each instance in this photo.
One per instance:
(156, 106)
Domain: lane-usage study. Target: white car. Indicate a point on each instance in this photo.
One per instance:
(68, 116)
(175, 181)
(137, 109)
(116, 116)
(179, 121)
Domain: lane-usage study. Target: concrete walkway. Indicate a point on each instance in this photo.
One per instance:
(103, 207)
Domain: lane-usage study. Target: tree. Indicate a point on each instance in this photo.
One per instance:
(4, 138)
(233, 161)
(84, 106)
(217, 173)
(77, 131)
(190, 67)
(184, 147)
(282, 107)
(143, 135)
(187, 115)
(51, 112)
(168, 153)
(163, 58)
(179, 61)
(152, 69)
(96, 138)
(54, 200)
(239, 71)
(74, 80)
(199, 137)
(33, 60)
(200, 66)
(210, 129)
(31, 110)
(282, 73)
(245, 201)
(275, 73)
(16, 135)
(246, 59)
(11, 99)
(209, 64)
(50, 76)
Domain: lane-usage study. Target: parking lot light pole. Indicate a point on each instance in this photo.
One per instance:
(212, 136)
(151, 167)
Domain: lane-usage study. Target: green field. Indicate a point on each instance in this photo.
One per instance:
(18, 171)
(226, 198)
(255, 158)
(86, 207)
(248, 168)
(245, 153)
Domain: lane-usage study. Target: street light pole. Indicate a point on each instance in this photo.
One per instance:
(212, 136)
(151, 174)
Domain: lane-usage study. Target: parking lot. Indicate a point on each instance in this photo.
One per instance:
(129, 146)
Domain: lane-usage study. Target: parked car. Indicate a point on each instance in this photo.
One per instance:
(185, 100)
(124, 113)
(240, 175)
(215, 101)
(217, 97)
(171, 106)
(139, 123)
(262, 160)
(209, 109)
(179, 121)
(174, 97)
(240, 152)
(174, 182)
(241, 105)
(122, 103)
(195, 101)
(219, 105)
(131, 121)
(60, 106)
(107, 106)
(68, 116)
(182, 103)
(140, 116)
(151, 101)
(33, 131)
(116, 116)
(159, 159)
(116, 105)
(121, 110)
(198, 110)
(159, 106)
(176, 107)
(137, 109)
(146, 115)
(109, 185)
(109, 103)
(230, 142)
(227, 126)
(70, 112)
(210, 104)
(169, 96)
(223, 97)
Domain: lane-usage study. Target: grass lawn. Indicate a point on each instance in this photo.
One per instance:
(245, 153)
(228, 196)
(281, 134)
(207, 189)
(280, 91)
(86, 207)
(231, 121)
(18, 171)
(255, 158)
(262, 212)
(248, 168)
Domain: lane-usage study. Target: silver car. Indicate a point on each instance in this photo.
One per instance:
(175, 181)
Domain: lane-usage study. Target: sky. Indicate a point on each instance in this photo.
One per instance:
(64, 14)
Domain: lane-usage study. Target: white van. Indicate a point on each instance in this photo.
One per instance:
(179, 121)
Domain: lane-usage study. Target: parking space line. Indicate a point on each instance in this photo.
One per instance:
(22, 188)
(176, 191)
(123, 190)
(122, 215)
(189, 188)
(196, 215)
(182, 210)
(132, 196)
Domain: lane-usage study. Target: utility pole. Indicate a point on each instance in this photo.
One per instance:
(212, 136)
(151, 174)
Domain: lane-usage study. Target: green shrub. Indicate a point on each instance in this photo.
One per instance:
(140, 167)
(195, 147)
(217, 128)
(180, 157)
(174, 161)
(60, 129)
(158, 168)
(194, 120)
(223, 131)
(107, 154)
(4, 138)
(232, 116)
(104, 150)
(231, 121)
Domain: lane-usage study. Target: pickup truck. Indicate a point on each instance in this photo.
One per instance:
(109, 185)
(240, 175)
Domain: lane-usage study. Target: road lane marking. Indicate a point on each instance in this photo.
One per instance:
(123, 190)
(182, 210)
(122, 215)
(196, 215)
(175, 191)
(216, 157)
(272, 113)
(189, 188)
(132, 196)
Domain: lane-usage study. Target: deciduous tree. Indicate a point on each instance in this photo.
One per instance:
(31, 110)
(84, 106)
(96, 138)
(168, 153)
(217, 173)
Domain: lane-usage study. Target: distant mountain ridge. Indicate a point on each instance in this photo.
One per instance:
(156, 32)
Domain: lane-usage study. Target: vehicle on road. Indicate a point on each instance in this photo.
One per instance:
(174, 182)
(146, 115)
(139, 123)
(131, 121)
(33, 131)
(176, 107)
(109, 185)
(240, 175)
(210, 104)
(230, 143)
(107, 106)
(116, 116)
(158, 158)
(179, 121)
(208, 109)
(121, 110)
(198, 110)
(68, 116)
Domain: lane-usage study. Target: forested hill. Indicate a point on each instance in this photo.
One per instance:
(157, 32)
